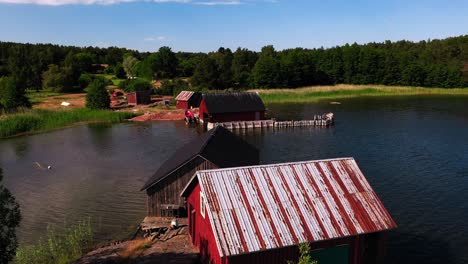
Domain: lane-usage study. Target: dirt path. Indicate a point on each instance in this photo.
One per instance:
(77, 100)
(176, 250)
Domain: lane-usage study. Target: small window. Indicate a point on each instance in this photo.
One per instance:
(202, 204)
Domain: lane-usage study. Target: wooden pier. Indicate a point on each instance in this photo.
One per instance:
(324, 120)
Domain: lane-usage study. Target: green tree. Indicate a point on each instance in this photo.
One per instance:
(135, 85)
(119, 71)
(266, 71)
(19, 65)
(10, 217)
(142, 69)
(11, 96)
(58, 79)
(205, 75)
(97, 96)
(243, 62)
(164, 63)
(223, 61)
(172, 87)
(129, 64)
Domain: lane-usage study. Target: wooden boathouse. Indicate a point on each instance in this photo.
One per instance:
(188, 100)
(217, 148)
(139, 97)
(227, 107)
(259, 214)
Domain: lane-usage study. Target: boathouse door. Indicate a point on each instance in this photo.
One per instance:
(257, 115)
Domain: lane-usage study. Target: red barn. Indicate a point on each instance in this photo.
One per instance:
(259, 214)
(205, 152)
(139, 97)
(188, 99)
(225, 107)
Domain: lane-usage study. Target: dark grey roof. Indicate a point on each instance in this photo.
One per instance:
(219, 145)
(233, 102)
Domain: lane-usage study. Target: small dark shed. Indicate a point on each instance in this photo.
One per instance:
(188, 99)
(226, 107)
(217, 148)
(139, 97)
(259, 214)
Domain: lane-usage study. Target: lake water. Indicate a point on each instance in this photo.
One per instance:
(414, 152)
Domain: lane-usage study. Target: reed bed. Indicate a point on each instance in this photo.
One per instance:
(316, 93)
(62, 245)
(29, 121)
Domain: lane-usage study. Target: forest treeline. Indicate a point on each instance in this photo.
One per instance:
(431, 63)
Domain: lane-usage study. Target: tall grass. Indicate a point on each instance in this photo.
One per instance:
(40, 120)
(316, 93)
(63, 245)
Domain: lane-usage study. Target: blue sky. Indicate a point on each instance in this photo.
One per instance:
(205, 25)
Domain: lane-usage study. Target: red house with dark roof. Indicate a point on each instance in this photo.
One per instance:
(188, 99)
(259, 214)
(226, 107)
(139, 97)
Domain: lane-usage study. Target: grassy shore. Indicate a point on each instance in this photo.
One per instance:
(31, 121)
(317, 93)
(62, 245)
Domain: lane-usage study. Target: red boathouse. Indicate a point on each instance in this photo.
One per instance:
(139, 97)
(226, 107)
(188, 100)
(259, 214)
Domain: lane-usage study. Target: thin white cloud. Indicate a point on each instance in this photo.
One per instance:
(110, 2)
(152, 39)
(211, 3)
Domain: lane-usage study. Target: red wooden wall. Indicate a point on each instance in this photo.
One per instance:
(202, 237)
(182, 105)
(227, 117)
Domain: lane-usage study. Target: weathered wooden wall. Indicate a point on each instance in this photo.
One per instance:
(168, 191)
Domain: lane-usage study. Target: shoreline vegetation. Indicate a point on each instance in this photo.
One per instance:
(314, 94)
(63, 244)
(41, 120)
(38, 120)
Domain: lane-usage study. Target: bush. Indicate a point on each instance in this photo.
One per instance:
(119, 71)
(59, 247)
(172, 87)
(58, 79)
(11, 96)
(86, 79)
(135, 85)
(97, 96)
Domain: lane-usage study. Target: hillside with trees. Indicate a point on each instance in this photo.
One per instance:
(431, 63)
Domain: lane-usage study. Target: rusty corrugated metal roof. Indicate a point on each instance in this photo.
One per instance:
(184, 96)
(270, 206)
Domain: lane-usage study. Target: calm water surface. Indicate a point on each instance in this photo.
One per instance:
(414, 152)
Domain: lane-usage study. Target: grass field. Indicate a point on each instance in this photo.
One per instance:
(317, 93)
(111, 77)
(31, 121)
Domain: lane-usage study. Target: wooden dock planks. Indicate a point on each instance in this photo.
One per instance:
(324, 120)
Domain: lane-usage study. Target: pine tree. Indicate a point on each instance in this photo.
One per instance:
(97, 96)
